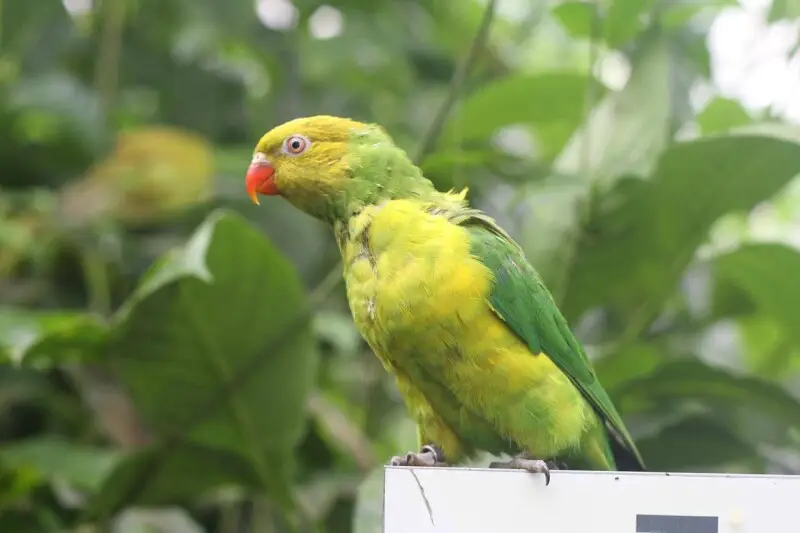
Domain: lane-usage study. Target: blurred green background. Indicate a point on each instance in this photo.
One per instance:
(161, 371)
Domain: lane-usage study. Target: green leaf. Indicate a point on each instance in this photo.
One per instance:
(51, 458)
(628, 129)
(41, 338)
(722, 114)
(158, 476)
(760, 407)
(203, 347)
(784, 9)
(576, 17)
(769, 350)
(679, 14)
(624, 134)
(526, 99)
(654, 229)
(729, 300)
(694, 443)
(768, 273)
(624, 21)
(619, 367)
(17, 482)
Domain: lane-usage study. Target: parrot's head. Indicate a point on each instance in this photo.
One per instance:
(330, 167)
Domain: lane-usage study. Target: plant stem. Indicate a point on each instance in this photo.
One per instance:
(107, 67)
(97, 283)
(456, 84)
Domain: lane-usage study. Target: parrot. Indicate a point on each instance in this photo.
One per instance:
(448, 302)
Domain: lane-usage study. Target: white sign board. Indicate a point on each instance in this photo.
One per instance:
(473, 500)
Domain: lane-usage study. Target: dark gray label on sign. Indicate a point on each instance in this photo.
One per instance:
(653, 523)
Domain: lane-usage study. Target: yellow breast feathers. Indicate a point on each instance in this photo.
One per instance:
(408, 270)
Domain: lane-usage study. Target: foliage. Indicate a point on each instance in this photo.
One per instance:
(176, 359)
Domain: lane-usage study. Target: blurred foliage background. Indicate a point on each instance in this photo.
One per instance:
(161, 371)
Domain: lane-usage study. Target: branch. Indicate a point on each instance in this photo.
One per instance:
(456, 84)
(343, 432)
(96, 281)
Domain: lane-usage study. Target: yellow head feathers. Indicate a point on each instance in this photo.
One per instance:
(320, 129)
(303, 160)
(330, 167)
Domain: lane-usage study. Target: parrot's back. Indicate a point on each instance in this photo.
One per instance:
(421, 299)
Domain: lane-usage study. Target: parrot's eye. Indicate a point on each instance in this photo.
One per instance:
(295, 145)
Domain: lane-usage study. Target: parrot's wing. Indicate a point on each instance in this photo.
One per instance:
(521, 300)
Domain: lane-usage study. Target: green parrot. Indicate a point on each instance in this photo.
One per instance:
(480, 352)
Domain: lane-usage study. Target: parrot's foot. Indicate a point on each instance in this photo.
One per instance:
(429, 455)
(534, 466)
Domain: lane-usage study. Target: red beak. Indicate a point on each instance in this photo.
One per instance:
(260, 179)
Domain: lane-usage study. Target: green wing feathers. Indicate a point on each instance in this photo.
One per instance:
(521, 300)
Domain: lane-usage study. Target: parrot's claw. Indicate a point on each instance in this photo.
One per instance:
(429, 455)
(534, 466)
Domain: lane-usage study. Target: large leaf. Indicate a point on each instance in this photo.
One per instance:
(634, 361)
(203, 347)
(769, 350)
(624, 20)
(694, 443)
(539, 99)
(627, 130)
(41, 338)
(176, 474)
(722, 114)
(757, 407)
(624, 134)
(576, 17)
(54, 459)
(655, 226)
(770, 275)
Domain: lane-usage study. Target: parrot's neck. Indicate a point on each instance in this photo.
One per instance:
(381, 176)
(419, 190)
(378, 172)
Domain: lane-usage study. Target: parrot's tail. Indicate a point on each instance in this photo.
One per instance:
(625, 459)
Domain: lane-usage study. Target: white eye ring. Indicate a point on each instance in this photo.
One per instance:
(295, 145)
